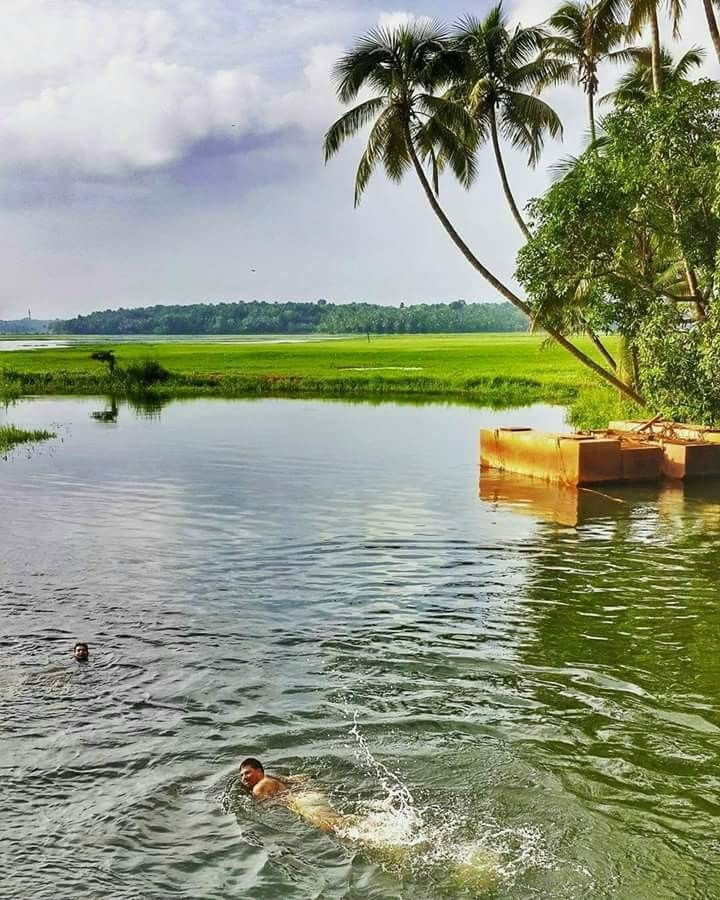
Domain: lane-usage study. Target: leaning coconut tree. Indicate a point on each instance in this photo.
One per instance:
(414, 124)
(502, 69)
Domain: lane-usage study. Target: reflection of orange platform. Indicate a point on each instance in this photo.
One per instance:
(573, 506)
(603, 456)
(547, 502)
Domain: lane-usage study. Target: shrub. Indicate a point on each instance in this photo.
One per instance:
(105, 356)
(146, 372)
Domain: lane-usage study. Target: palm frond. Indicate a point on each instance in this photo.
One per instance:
(363, 62)
(349, 124)
(453, 116)
(563, 167)
(373, 152)
(525, 120)
(396, 156)
(636, 85)
(451, 151)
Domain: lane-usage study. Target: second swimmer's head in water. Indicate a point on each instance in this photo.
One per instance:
(81, 651)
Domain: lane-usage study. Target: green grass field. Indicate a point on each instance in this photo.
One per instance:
(489, 369)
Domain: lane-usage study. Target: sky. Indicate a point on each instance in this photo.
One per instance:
(159, 151)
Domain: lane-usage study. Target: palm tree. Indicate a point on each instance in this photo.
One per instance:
(645, 12)
(500, 67)
(712, 25)
(586, 34)
(411, 123)
(637, 84)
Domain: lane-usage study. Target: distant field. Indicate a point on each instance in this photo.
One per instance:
(452, 358)
(494, 369)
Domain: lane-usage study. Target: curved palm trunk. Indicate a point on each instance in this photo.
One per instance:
(504, 179)
(602, 350)
(655, 49)
(505, 291)
(712, 25)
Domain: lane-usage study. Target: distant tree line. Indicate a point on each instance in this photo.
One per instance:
(261, 317)
(24, 326)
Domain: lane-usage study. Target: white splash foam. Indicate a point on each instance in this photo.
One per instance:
(435, 838)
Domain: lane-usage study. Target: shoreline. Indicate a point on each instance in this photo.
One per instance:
(492, 370)
(491, 390)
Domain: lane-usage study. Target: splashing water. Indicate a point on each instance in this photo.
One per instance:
(431, 841)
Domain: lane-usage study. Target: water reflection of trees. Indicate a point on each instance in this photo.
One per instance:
(146, 405)
(633, 587)
(621, 657)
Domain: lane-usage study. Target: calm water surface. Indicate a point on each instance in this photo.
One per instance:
(525, 677)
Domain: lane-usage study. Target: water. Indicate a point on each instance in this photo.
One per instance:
(522, 679)
(12, 342)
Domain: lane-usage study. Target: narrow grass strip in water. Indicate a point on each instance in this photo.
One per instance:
(10, 436)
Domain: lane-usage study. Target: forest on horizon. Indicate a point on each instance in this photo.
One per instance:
(262, 317)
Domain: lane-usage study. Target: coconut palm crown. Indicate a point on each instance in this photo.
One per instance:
(585, 35)
(646, 12)
(501, 67)
(405, 69)
(502, 70)
(636, 85)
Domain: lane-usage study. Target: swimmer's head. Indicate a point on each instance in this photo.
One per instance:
(251, 772)
(81, 652)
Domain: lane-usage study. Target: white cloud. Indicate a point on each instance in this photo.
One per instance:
(89, 88)
(153, 88)
(398, 19)
(134, 114)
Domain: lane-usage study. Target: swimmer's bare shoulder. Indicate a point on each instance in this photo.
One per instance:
(269, 787)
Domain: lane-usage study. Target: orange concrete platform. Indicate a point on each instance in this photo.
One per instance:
(597, 457)
(564, 458)
(641, 462)
(690, 460)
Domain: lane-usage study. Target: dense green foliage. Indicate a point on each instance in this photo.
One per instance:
(629, 240)
(298, 318)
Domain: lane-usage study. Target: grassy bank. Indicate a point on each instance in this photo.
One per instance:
(10, 436)
(489, 369)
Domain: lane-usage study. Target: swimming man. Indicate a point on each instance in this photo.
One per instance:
(260, 785)
(478, 871)
(310, 805)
